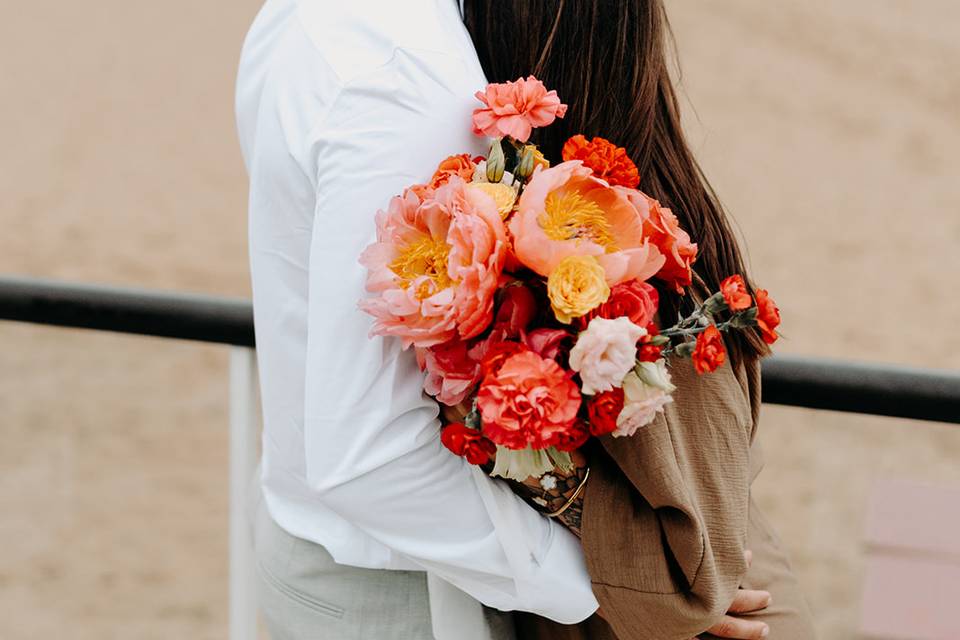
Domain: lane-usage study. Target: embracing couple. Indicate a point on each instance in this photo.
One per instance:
(365, 526)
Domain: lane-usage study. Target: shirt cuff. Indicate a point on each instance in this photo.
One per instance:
(570, 598)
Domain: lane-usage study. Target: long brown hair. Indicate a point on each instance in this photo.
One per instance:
(607, 59)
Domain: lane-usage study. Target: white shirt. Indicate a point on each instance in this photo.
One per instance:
(340, 105)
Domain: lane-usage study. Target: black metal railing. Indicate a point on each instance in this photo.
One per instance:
(886, 390)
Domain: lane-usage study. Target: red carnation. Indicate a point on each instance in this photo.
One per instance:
(768, 316)
(496, 353)
(709, 352)
(571, 439)
(604, 408)
(634, 299)
(467, 443)
(608, 161)
(735, 293)
(646, 350)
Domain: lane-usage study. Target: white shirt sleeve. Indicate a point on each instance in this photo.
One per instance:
(373, 454)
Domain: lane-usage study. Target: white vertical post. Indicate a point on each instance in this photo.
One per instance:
(244, 429)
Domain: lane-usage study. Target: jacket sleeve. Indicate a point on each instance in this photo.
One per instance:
(666, 510)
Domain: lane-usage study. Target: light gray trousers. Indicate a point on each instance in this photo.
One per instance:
(304, 594)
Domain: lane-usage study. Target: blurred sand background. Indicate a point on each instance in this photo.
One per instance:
(830, 129)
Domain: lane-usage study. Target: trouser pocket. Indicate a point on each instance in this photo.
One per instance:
(297, 596)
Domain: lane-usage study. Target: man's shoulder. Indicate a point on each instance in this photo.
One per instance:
(358, 37)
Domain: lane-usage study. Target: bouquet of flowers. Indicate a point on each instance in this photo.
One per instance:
(524, 287)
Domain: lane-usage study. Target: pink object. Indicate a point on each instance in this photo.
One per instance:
(530, 401)
(663, 229)
(912, 583)
(565, 210)
(435, 266)
(515, 108)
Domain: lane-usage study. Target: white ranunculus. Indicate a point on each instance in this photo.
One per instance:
(605, 352)
(655, 374)
(641, 402)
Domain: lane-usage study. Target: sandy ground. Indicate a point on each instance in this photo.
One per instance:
(829, 129)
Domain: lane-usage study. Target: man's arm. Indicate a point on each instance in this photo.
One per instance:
(373, 454)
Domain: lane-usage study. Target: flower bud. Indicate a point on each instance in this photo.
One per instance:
(659, 341)
(496, 162)
(715, 304)
(525, 163)
(747, 318)
(684, 349)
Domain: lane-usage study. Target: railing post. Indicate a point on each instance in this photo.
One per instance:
(244, 429)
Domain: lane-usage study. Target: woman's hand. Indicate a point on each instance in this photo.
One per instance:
(746, 601)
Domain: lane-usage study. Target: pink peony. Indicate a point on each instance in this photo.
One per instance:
(528, 401)
(435, 266)
(605, 352)
(515, 108)
(663, 229)
(565, 210)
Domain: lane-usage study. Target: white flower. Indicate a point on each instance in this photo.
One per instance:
(605, 352)
(655, 374)
(548, 482)
(641, 404)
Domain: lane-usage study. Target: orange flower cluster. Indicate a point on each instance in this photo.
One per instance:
(608, 161)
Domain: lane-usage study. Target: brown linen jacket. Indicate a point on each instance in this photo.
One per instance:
(667, 517)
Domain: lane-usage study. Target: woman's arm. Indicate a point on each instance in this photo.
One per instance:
(666, 511)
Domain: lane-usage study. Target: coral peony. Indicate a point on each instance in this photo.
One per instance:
(633, 299)
(642, 402)
(734, 291)
(661, 226)
(567, 211)
(709, 352)
(528, 401)
(576, 286)
(605, 352)
(515, 108)
(607, 160)
(435, 266)
(468, 443)
(768, 316)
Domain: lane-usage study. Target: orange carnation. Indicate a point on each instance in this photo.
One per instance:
(768, 316)
(734, 291)
(608, 161)
(709, 352)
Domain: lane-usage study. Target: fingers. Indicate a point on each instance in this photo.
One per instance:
(748, 556)
(748, 600)
(740, 628)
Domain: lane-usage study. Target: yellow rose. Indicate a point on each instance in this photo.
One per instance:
(576, 286)
(503, 195)
(540, 160)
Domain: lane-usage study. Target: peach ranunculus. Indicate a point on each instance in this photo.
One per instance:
(515, 108)
(435, 266)
(567, 211)
(663, 229)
